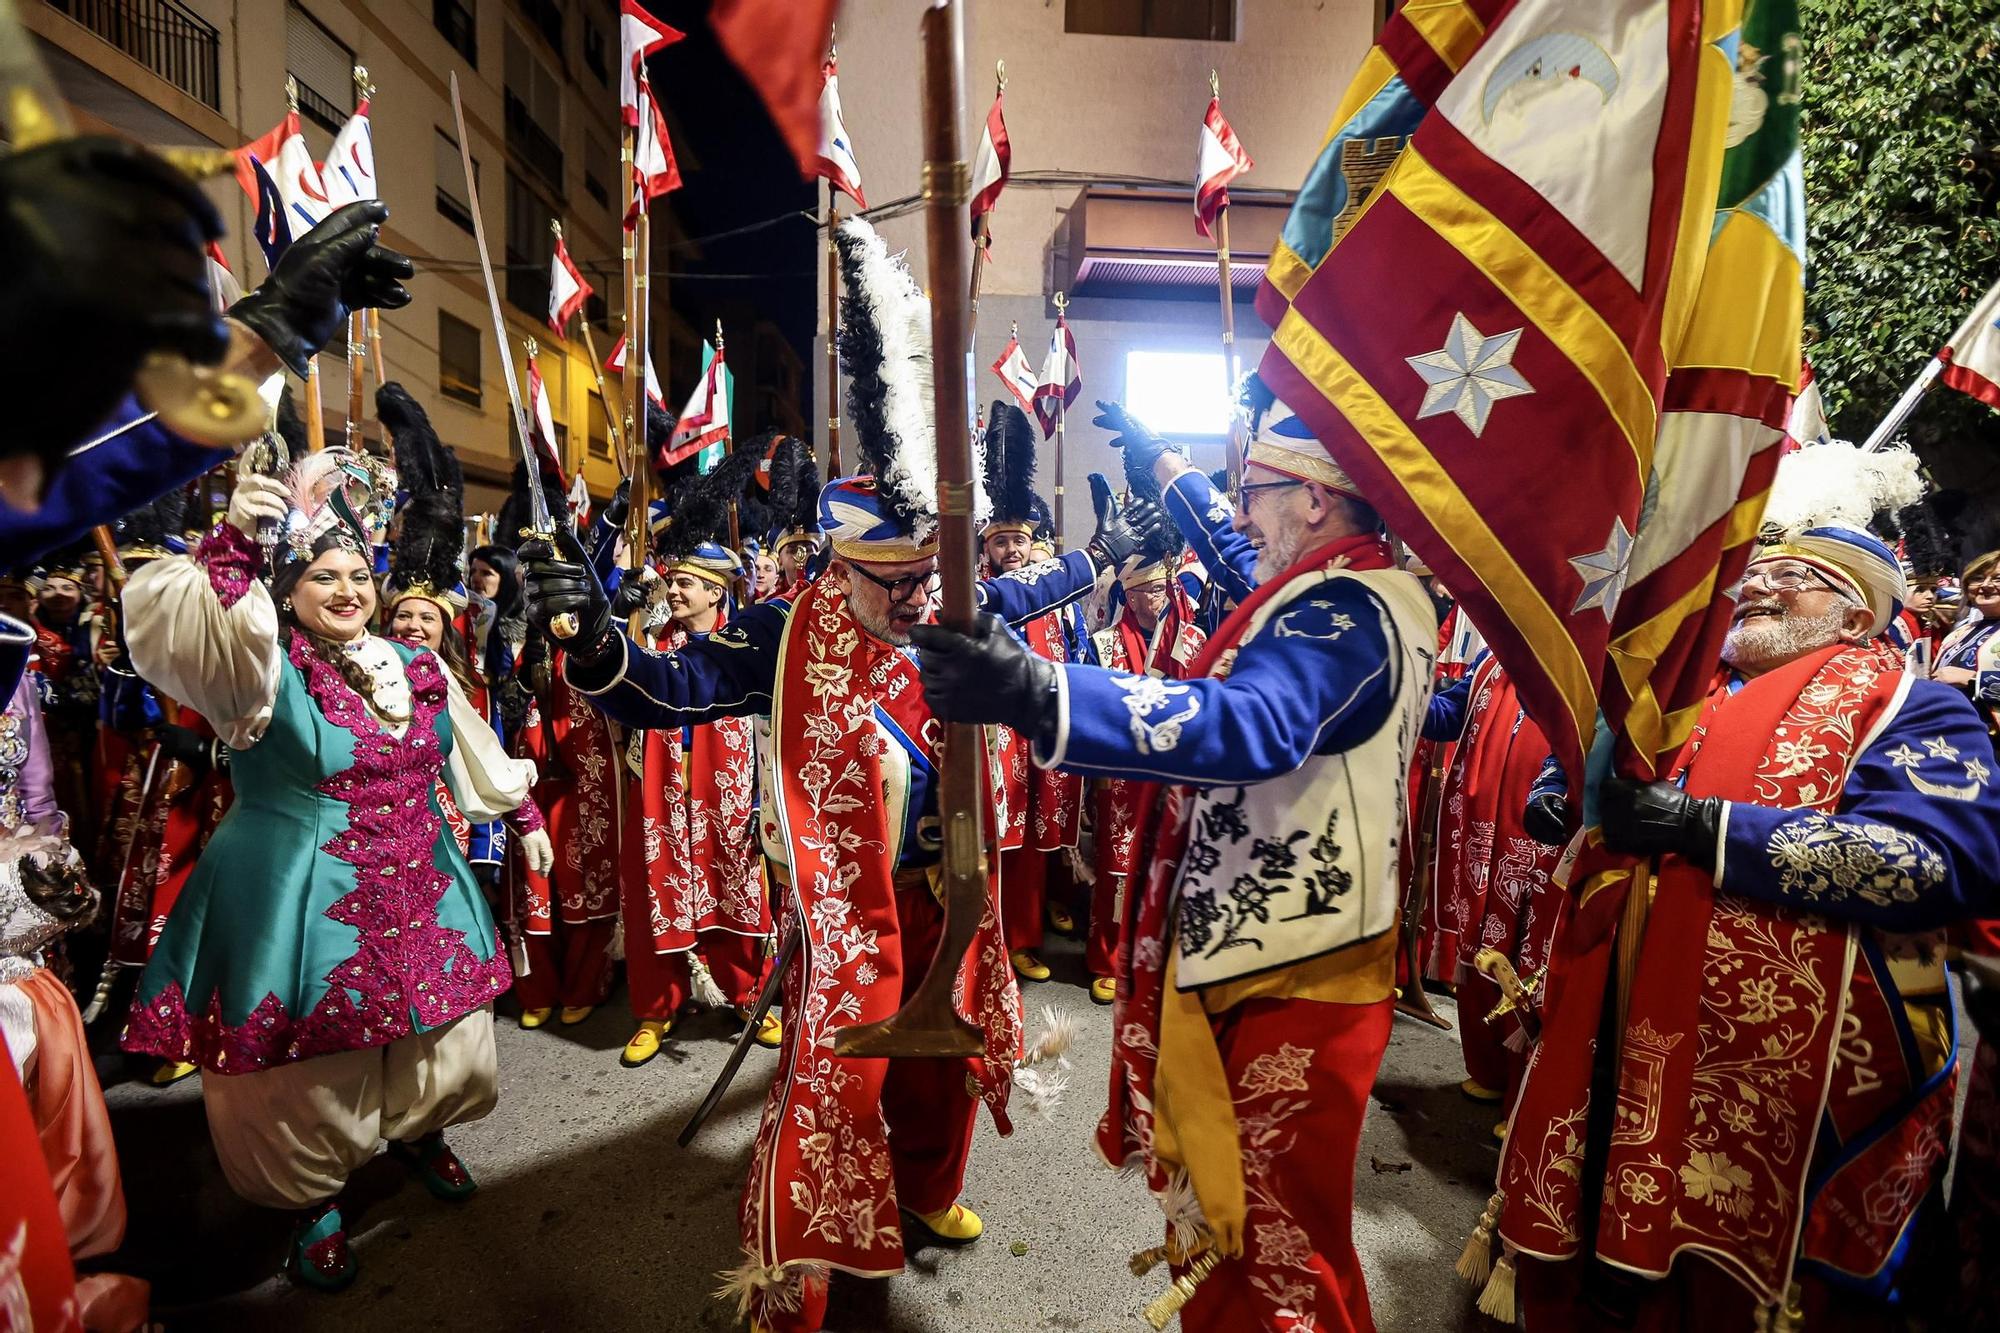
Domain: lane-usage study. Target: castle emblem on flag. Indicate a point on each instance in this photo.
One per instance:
(1469, 374)
(1363, 163)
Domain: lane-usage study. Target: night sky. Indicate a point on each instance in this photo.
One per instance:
(737, 171)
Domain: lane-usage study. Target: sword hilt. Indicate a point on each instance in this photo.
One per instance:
(566, 625)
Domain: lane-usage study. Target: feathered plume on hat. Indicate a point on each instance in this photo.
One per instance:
(425, 560)
(1822, 501)
(795, 485)
(516, 516)
(1928, 550)
(885, 344)
(291, 429)
(701, 512)
(1009, 468)
(337, 497)
(156, 529)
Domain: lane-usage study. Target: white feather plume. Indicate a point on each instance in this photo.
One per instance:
(1840, 484)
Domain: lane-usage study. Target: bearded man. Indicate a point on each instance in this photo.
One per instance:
(852, 783)
(1785, 1068)
(1253, 1000)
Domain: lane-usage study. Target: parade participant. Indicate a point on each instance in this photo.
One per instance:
(697, 919)
(1155, 465)
(1154, 634)
(1969, 658)
(1829, 811)
(837, 1157)
(130, 459)
(1253, 1008)
(1040, 812)
(795, 535)
(764, 584)
(331, 963)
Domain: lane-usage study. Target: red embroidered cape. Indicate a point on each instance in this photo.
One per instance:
(576, 763)
(1176, 643)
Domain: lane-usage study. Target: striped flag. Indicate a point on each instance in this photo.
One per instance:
(990, 163)
(836, 150)
(1972, 357)
(1570, 412)
(567, 289)
(703, 428)
(542, 418)
(639, 35)
(222, 283)
(349, 170)
(1218, 159)
(654, 170)
(1807, 422)
(1062, 378)
(1015, 372)
(278, 173)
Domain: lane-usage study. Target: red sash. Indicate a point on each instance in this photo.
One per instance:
(1055, 799)
(1723, 1084)
(690, 837)
(821, 1188)
(576, 764)
(1125, 1134)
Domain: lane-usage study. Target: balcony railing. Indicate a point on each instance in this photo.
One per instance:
(165, 37)
(532, 144)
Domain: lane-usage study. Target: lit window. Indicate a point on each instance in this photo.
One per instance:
(1179, 394)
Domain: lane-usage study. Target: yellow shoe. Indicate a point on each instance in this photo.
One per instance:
(573, 1014)
(1479, 1092)
(645, 1043)
(1061, 922)
(534, 1018)
(1030, 967)
(956, 1225)
(1500, 1132)
(171, 1072)
(770, 1031)
(1103, 990)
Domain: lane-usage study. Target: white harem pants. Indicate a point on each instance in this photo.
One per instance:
(289, 1137)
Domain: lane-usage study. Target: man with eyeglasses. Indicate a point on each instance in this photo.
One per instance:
(1788, 1055)
(853, 788)
(1253, 995)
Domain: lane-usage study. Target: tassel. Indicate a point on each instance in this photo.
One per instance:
(1517, 1040)
(1475, 1262)
(1497, 1301)
(701, 983)
(617, 946)
(1160, 1311)
(102, 996)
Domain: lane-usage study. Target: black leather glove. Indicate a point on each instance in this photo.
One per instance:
(103, 244)
(619, 507)
(558, 581)
(335, 268)
(1123, 533)
(184, 745)
(631, 596)
(1547, 818)
(1142, 446)
(1650, 818)
(986, 676)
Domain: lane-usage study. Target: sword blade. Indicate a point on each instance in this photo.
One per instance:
(538, 504)
(779, 966)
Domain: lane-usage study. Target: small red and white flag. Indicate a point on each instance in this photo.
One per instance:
(614, 361)
(654, 171)
(222, 284)
(836, 150)
(1062, 378)
(579, 503)
(639, 35)
(1218, 160)
(1015, 372)
(704, 422)
(542, 418)
(990, 163)
(567, 289)
(1807, 422)
(288, 165)
(1972, 357)
(348, 173)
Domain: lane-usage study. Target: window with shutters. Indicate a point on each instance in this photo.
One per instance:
(451, 198)
(530, 247)
(595, 55)
(323, 67)
(458, 22)
(1192, 20)
(458, 359)
(534, 112)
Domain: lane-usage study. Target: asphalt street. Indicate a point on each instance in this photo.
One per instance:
(589, 1216)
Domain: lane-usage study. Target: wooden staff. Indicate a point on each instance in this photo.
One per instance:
(1238, 426)
(637, 256)
(929, 1023)
(832, 335)
(1062, 396)
(357, 321)
(728, 436)
(375, 346)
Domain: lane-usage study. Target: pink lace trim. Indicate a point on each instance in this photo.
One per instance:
(408, 973)
(528, 818)
(231, 560)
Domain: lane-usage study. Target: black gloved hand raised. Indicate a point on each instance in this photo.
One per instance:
(1650, 818)
(1547, 818)
(559, 581)
(103, 243)
(619, 507)
(632, 595)
(1141, 445)
(335, 268)
(1120, 533)
(186, 745)
(986, 676)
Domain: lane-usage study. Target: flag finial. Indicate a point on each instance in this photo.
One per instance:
(363, 89)
(1214, 84)
(1000, 76)
(291, 93)
(718, 335)
(555, 228)
(1062, 302)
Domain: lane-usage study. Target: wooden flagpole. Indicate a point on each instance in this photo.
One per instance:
(832, 335)
(639, 449)
(1062, 394)
(720, 368)
(315, 421)
(1238, 428)
(357, 321)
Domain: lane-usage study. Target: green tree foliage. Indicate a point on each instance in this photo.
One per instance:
(1901, 134)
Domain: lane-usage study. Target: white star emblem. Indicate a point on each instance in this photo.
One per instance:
(1941, 747)
(1977, 771)
(1603, 572)
(1469, 374)
(1905, 757)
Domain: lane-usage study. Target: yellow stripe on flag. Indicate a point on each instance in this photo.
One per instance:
(1753, 304)
(1447, 509)
(1562, 315)
(1368, 81)
(1450, 26)
(1706, 123)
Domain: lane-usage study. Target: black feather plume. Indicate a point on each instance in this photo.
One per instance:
(1930, 550)
(885, 348)
(659, 428)
(701, 513)
(431, 536)
(515, 512)
(291, 428)
(795, 486)
(1010, 462)
(152, 524)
